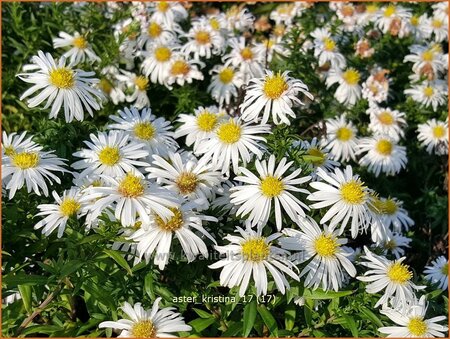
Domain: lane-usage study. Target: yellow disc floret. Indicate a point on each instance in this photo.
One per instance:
(162, 54)
(255, 249)
(173, 224)
(438, 131)
(141, 82)
(417, 326)
(325, 245)
(144, 130)
(353, 192)
(69, 207)
(229, 132)
(275, 86)
(131, 186)
(351, 77)
(246, 53)
(109, 156)
(180, 67)
(206, 121)
(25, 160)
(187, 182)
(154, 30)
(80, 42)
(226, 75)
(329, 44)
(344, 134)
(202, 37)
(386, 118)
(143, 329)
(399, 273)
(62, 78)
(384, 147)
(428, 91)
(271, 186)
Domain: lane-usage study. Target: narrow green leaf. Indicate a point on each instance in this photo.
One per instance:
(268, 319)
(202, 314)
(25, 293)
(200, 324)
(249, 318)
(117, 257)
(148, 286)
(24, 279)
(371, 316)
(323, 295)
(71, 267)
(351, 325)
(289, 317)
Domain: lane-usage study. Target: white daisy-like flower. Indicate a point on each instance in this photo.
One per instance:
(62, 87)
(156, 237)
(433, 135)
(391, 18)
(437, 272)
(15, 143)
(426, 59)
(71, 204)
(437, 26)
(153, 323)
(200, 125)
(155, 33)
(245, 58)
(376, 87)
(239, 18)
(129, 195)
(110, 86)
(393, 277)
(346, 196)
(30, 166)
(233, 141)
(188, 177)
(225, 83)
(326, 50)
(349, 89)
(273, 94)
(138, 85)
(340, 139)
(157, 62)
(252, 254)
(270, 47)
(146, 128)
(284, 13)
(222, 197)
(429, 93)
(394, 215)
(167, 12)
(80, 48)
(395, 244)
(329, 259)
(383, 155)
(258, 192)
(412, 322)
(112, 154)
(182, 70)
(387, 122)
(319, 156)
(203, 41)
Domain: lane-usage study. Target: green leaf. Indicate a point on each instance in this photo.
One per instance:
(203, 314)
(289, 317)
(351, 325)
(200, 324)
(249, 318)
(117, 257)
(71, 267)
(233, 330)
(25, 293)
(323, 295)
(23, 279)
(371, 316)
(148, 286)
(268, 319)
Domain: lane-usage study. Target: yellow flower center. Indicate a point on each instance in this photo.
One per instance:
(417, 326)
(9, 151)
(414, 20)
(246, 53)
(386, 118)
(384, 147)
(144, 130)
(109, 156)
(329, 44)
(80, 42)
(105, 85)
(344, 134)
(187, 182)
(131, 186)
(173, 224)
(271, 186)
(390, 207)
(137, 225)
(428, 91)
(180, 67)
(229, 132)
(436, 23)
(255, 249)
(389, 11)
(444, 269)
(69, 207)
(154, 30)
(162, 54)
(325, 245)
(206, 121)
(163, 6)
(352, 192)
(438, 131)
(141, 82)
(202, 37)
(215, 25)
(62, 78)
(143, 329)
(315, 152)
(399, 273)
(372, 8)
(427, 56)
(390, 245)
(226, 75)
(351, 77)
(275, 86)
(25, 160)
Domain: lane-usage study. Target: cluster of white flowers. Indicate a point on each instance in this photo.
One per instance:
(160, 182)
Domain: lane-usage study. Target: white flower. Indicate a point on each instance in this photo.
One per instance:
(167, 13)
(429, 93)
(383, 155)
(199, 126)
(341, 138)
(188, 177)
(251, 254)
(433, 135)
(156, 237)
(437, 25)
(155, 33)
(411, 321)
(391, 18)
(146, 128)
(80, 48)
(157, 62)
(376, 87)
(315, 149)
(258, 192)
(233, 141)
(147, 323)
(349, 90)
(224, 83)
(110, 86)
(62, 87)
(437, 272)
(426, 59)
(129, 195)
(394, 244)
(15, 143)
(324, 248)
(393, 277)
(138, 84)
(30, 166)
(347, 196)
(203, 41)
(239, 18)
(273, 94)
(182, 70)
(326, 50)
(388, 122)
(71, 204)
(111, 153)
